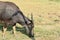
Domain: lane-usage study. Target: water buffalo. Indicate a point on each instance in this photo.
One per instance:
(10, 14)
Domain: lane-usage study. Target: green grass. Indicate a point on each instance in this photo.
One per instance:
(42, 32)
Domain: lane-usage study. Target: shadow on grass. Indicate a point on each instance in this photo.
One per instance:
(23, 30)
(20, 29)
(1, 27)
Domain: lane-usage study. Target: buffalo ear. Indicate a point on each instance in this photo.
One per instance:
(31, 21)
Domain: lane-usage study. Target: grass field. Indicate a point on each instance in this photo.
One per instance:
(46, 18)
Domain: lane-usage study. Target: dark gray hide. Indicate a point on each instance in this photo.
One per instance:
(10, 15)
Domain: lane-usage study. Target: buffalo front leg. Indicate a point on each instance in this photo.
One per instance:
(3, 31)
(14, 30)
